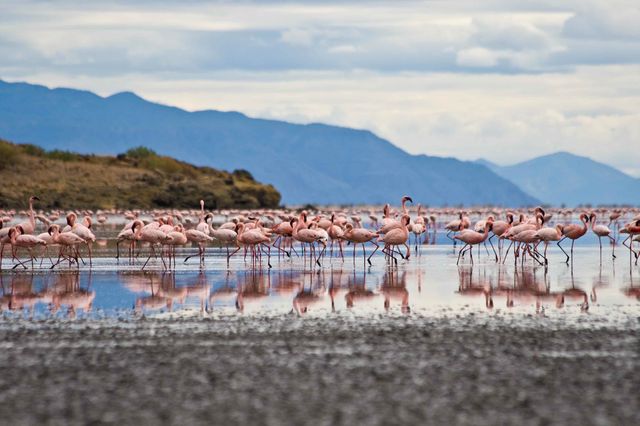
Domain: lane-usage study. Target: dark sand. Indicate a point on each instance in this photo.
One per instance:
(471, 369)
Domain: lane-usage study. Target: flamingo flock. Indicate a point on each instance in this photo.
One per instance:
(313, 235)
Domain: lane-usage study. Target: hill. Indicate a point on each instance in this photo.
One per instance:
(138, 178)
(312, 163)
(565, 178)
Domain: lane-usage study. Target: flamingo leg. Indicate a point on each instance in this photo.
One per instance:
(600, 244)
(613, 246)
(376, 249)
(460, 253)
(494, 250)
(507, 252)
(565, 253)
(572, 244)
(268, 253)
(234, 252)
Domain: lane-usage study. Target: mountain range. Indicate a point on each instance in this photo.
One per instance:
(312, 163)
(565, 178)
(307, 163)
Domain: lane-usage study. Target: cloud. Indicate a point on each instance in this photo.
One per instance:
(498, 79)
(477, 57)
(297, 37)
(609, 21)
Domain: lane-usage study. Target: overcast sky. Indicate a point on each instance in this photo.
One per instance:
(503, 80)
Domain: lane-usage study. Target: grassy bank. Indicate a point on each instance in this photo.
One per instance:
(139, 178)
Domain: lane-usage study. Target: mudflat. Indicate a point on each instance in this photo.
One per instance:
(333, 369)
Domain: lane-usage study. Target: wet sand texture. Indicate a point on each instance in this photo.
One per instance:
(471, 370)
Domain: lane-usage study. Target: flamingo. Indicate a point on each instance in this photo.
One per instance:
(225, 236)
(471, 238)
(500, 227)
(360, 236)
(547, 235)
(573, 232)
(307, 236)
(397, 237)
(284, 232)
(457, 225)
(177, 238)
(154, 236)
(387, 223)
(66, 240)
(632, 229)
(524, 225)
(20, 240)
(82, 230)
(253, 238)
(200, 238)
(419, 226)
(335, 234)
(602, 231)
(131, 234)
(202, 225)
(526, 237)
(29, 227)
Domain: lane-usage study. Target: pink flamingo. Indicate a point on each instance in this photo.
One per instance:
(66, 240)
(200, 238)
(397, 237)
(632, 229)
(202, 225)
(602, 231)
(360, 236)
(307, 236)
(82, 230)
(471, 238)
(335, 234)
(254, 239)
(26, 241)
(154, 236)
(387, 223)
(573, 232)
(131, 234)
(547, 235)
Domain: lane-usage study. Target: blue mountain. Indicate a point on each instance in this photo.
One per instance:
(312, 163)
(565, 178)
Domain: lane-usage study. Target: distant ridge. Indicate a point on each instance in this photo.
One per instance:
(138, 178)
(565, 178)
(313, 163)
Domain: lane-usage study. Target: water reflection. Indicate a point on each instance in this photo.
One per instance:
(405, 289)
(66, 292)
(521, 286)
(22, 293)
(394, 289)
(631, 287)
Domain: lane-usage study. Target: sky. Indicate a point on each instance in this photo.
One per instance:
(501, 80)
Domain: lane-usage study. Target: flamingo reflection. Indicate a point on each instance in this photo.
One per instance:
(67, 292)
(394, 287)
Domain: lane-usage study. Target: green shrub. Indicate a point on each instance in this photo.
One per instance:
(140, 152)
(8, 155)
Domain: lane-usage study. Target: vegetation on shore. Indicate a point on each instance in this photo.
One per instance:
(139, 178)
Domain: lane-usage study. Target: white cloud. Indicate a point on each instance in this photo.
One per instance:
(477, 57)
(496, 79)
(297, 37)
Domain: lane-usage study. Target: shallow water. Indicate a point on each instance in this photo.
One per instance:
(429, 283)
